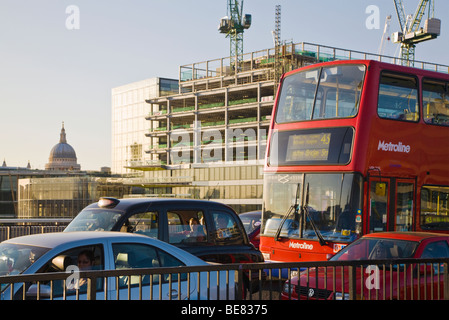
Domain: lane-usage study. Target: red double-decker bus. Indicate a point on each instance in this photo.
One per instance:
(354, 147)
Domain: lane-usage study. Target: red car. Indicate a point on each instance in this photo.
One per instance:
(251, 222)
(390, 279)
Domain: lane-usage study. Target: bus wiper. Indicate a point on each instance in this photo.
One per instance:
(305, 209)
(293, 208)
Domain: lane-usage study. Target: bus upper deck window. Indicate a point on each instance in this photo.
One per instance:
(435, 102)
(323, 93)
(398, 97)
(341, 88)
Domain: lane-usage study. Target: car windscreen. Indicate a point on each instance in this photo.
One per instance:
(376, 248)
(16, 258)
(250, 222)
(94, 220)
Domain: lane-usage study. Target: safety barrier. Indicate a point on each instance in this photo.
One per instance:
(11, 228)
(402, 279)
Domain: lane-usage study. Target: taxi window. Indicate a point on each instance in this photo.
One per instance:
(94, 220)
(146, 223)
(226, 228)
(186, 226)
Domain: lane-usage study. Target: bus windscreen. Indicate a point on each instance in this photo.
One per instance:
(332, 201)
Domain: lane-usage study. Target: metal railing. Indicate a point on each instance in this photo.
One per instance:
(402, 279)
(216, 282)
(11, 228)
(264, 59)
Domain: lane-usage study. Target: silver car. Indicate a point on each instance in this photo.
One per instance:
(72, 252)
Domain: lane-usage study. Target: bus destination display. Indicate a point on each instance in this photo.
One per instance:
(308, 147)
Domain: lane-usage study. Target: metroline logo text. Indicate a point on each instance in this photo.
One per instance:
(394, 147)
(298, 245)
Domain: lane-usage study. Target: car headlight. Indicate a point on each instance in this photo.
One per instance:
(341, 296)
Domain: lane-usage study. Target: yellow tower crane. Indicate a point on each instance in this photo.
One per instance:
(411, 31)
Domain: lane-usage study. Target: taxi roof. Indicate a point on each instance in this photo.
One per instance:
(129, 203)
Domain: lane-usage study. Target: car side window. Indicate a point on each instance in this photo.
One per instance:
(85, 258)
(134, 256)
(437, 249)
(146, 223)
(226, 227)
(82, 259)
(186, 226)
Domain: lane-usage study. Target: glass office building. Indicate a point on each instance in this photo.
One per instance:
(64, 197)
(239, 186)
(128, 120)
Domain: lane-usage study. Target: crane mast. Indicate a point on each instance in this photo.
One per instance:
(277, 46)
(412, 33)
(233, 26)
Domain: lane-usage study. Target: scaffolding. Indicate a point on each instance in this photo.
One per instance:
(260, 65)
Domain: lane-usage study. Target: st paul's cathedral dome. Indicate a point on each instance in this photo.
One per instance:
(62, 156)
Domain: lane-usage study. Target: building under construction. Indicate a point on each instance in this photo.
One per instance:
(208, 140)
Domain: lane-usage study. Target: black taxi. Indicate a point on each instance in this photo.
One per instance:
(210, 230)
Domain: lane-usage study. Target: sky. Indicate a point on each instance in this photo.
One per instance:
(59, 64)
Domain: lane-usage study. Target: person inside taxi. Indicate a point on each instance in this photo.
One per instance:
(221, 225)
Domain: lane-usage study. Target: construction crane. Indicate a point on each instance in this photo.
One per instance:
(411, 33)
(385, 36)
(277, 46)
(233, 26)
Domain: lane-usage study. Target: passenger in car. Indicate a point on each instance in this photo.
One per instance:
(221, 224)
(196, 230)
(85, 262)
